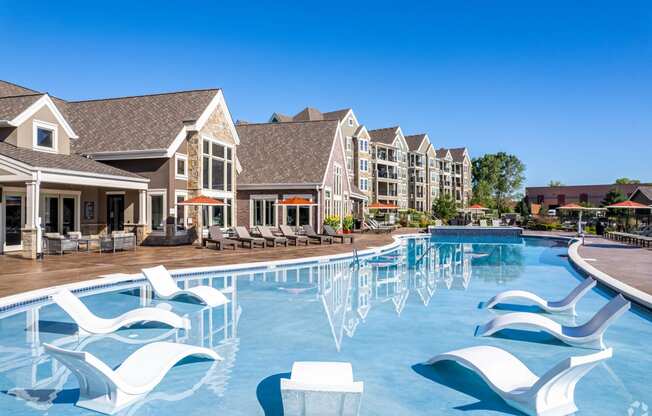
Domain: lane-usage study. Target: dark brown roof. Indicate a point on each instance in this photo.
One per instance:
(285, 153)
(645, 190)
(308, 114)
(281, 118)
(312, 114)
(458, 153)
(441, 152)
(414, 141)
(337, 114)
(385, 135)
(7, 89)
(77, 163)
(10, 107)
(147, 122)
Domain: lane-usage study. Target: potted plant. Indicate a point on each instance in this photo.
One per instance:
(347, 224)
(333, 221)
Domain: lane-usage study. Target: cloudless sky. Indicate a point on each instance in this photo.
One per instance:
(564, 85)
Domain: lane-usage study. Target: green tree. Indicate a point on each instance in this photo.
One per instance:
(626, 181)
(522, 207)
(555, 183)
(444, 208)
(500, 175)
(482, 194)
(613, 197)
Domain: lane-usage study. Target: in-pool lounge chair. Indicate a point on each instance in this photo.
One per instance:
(495, 223)
(588, 335)
(271, 238)
(321, 388)
(565, 305)
(165, 288)
(107, 391)
(552, 394)
(483, 223)
(329, 231)
(216, 237)
(289, 233)
(438, 223)
(91, 324)
(313, 236)
(243, 236)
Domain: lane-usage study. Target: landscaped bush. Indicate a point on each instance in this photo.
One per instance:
(333, 221)
(347, 223)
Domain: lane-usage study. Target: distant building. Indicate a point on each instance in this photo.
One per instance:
(642, 195)
(556, 196)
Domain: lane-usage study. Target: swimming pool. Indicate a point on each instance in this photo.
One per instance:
(396, 311)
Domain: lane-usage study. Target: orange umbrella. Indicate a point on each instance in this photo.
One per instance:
(203, 201)
(478, 207)
(296, 202)
(380, 205)
(628, 205)
(572, 207)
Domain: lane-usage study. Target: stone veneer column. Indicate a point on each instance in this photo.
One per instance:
(194, 176)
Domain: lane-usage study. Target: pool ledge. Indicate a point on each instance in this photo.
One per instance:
(628, 291)
(106, 281)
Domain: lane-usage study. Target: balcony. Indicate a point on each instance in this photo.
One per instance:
(387, 174)
(386, 155)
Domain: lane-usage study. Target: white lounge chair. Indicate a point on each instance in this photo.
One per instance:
(565, 305)
(165, 288)
(91, 324)
(588, 335)
(321, 388)
(483, 223)
(552, 394)
(108, 391)
(495, 223)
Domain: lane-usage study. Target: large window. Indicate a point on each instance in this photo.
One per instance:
(328, 202)
(157, 212)
(337, 180)
(297, 216)
(181, 213)
(264, 212)
(364, 184)
(217, 166)
(363, 145)
(364, 165)
(220, 215)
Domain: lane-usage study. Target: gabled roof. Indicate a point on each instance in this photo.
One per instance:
(37, 159)
(443, 153)
(8, 89)
(414, 141)
(645, 190)
(280, 118)
(12, 106)
(458, 153)
(139, 123)
(311, 114)
(385, 135)
(337, 114)
(308, 114)
(285, 153)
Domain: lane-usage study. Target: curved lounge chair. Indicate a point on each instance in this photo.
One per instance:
(321, 388)
(588, 335)
(565, 305)
(107, 391)
(165, 288)
(91, 324)
(552, 394)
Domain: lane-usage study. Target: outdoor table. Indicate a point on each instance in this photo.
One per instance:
(87, 240)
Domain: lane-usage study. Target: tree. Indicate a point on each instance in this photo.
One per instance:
(626, 181)
(482, 195)
(555, 183)
(522, 207)
(499, 175)
(444, 207)
(613, 197)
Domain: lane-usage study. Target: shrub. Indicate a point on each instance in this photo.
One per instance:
(333, 221)
(347, 222)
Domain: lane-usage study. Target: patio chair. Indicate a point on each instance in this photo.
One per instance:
(243, 236)
(321, 388)
(551, 394)
(289, 233)
(313, 236)
(216, 237)
(329, 231)
(91, 324)
(588, 335)
(271, 238)
(106, 390)
(165, 287)
(565, 305)
(55, 243)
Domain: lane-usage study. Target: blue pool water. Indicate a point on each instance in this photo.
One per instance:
(395, 312)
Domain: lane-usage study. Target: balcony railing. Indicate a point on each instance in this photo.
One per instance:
(387, 175)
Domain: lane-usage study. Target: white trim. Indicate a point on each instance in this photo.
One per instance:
(44, 101)
(212, 106)
(272, 186)
(177, 175)
(157, 192)
(184, 194)
(266, 198)
(133, 154)
(44, 125)
(60, 195)
(115, 193)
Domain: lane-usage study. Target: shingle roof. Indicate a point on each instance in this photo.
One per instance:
(441, 152)
(646, 191)
(7, 89)
(414, 141)
(337, 114)
(284, 153)
(385, 135)
(458, 153)
(281, 118)
(308, 114)
(10, 107)
(60, 161)
(312, 114)
(147, 122)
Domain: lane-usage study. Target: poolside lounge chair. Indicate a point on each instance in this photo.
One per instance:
(321, 388)
(105, 390)
(165, 288)
(552, 394)
(89, 323)
(495, 223)
(329, 231)
(483, 223)
(289, 233)
(376, 227)
(588, 335)
(216, 237)
(313, 236)
(243, 236)
(271, 238)
(565, 305)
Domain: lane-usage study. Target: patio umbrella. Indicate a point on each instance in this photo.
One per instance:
(381, 205)
(296, 202)
(628, 205)
(580, 209)
(202, 201)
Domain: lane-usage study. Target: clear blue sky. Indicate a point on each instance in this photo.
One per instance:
(566, 86)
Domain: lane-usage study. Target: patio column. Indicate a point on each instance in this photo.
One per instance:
(31, 233)
(141, 226)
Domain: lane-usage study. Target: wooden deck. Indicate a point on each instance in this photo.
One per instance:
(19, 275)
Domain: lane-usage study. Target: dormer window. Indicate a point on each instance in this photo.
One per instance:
(45, 136)
(350, 121)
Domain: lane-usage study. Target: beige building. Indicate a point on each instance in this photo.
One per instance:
(389, 160)
(423, 173)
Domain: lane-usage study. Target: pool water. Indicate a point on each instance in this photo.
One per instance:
(386, 317)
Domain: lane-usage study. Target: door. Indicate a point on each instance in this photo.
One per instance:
(115, 212)
(14, 220)
(51, 217)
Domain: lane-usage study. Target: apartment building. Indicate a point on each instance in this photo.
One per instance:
(423, 173)
(461, 176)
(389, 166)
